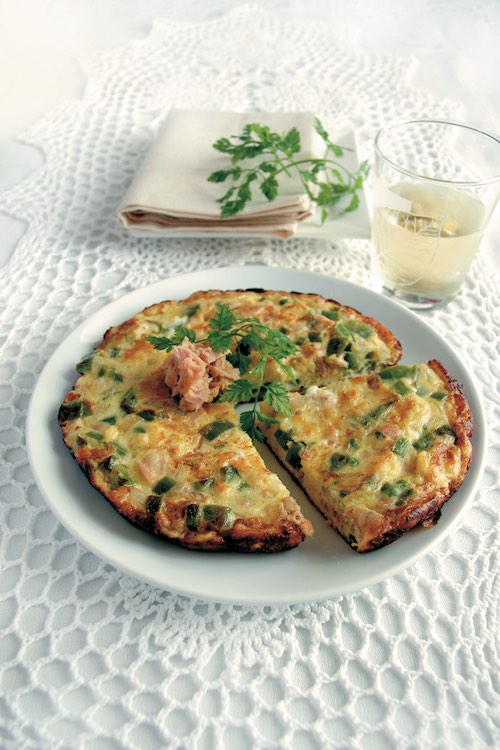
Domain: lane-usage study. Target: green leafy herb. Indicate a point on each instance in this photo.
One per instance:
(167, 344)
(250, 335)
(326, 180)
(244, 336)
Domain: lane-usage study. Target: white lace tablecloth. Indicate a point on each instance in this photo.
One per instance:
(92, 658)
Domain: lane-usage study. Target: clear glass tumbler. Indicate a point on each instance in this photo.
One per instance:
(435, 187)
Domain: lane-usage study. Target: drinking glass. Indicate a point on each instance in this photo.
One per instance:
(436, 185)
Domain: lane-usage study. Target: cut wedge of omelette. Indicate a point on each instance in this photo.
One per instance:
(377, 454)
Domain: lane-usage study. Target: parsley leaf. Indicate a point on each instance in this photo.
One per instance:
(244, 336)
(325, 180)
(241, 391)
(167, 344)
(276, 396)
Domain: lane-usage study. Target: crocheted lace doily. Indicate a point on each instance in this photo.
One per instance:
(92, 658)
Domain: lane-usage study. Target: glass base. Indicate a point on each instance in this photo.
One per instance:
(413, 300)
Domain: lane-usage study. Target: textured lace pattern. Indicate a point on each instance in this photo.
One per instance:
(91, 658)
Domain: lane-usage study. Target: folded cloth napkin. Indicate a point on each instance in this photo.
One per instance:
(171, 193)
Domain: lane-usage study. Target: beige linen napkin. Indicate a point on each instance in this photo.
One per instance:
(171, 194)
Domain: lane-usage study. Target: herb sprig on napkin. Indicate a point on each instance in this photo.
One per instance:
(327, 182)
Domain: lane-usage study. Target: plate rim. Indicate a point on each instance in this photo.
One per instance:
(272, 273)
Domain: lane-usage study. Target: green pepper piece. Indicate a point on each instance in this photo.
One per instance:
(192, 310)
(153, 504)
(334, 346)
(352, 360)
(398, 489)
(147, 414)
(314, 337)
(213, 430)
(425, 441)
(119, 474)
(164, 485)
(396, 372)
(129, 402)
(445, 430)
(283, 438)
(73, 410)
(109, 420)
(400, 388)
(219, 516)
(331, 314)
(375, 413)
(203, 484)
(94, 436)
(338, 461)
(361, 329)
(229, 473)
(439, 395)
(119, 450)
(85, 364)
(293, 455)
(192, 516)
(422, 392)
(401, 447)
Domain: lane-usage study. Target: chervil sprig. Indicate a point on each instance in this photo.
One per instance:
(244, 336)
(167, 344)
(327, 181)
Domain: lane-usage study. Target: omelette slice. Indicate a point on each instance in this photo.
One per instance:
(377, 454)
(195, 479)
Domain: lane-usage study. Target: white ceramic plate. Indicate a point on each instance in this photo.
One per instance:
(324, 566)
